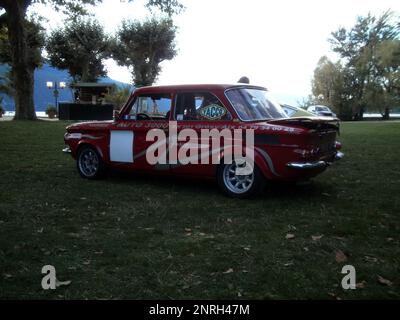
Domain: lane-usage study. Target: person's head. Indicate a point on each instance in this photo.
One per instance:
(244, 80)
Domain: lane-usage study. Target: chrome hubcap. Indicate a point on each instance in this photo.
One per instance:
(237, 183)
(88, 163)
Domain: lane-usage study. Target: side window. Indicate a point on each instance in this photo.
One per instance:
(150, 107)
(200, 106)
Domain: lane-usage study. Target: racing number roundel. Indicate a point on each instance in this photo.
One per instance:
(212, 112)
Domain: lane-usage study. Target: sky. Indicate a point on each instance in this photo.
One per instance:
(277, 44)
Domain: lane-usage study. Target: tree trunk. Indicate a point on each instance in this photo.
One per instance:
(386, 115)
(21, 71)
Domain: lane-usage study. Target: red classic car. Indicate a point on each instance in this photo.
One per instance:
(179, 130)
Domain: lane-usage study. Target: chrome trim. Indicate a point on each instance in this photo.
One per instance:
(307, 165)
(66, 150)
(314, 165)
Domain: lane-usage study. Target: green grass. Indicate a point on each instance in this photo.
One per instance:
(138, 237)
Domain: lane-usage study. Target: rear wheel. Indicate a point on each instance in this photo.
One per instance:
(238, 185)
(89, 163)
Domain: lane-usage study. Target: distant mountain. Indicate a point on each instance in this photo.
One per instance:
(44, 96)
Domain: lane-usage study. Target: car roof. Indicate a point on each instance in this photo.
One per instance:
(197, 87)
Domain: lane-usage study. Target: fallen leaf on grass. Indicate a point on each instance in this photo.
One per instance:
(188, 229)
(7, 276)
(371, 259)
(361, 284)
(62, 283)
(384, 281)
(230, 270)
(340, 256)
(335, 296)
(290, 236)
(315, 238)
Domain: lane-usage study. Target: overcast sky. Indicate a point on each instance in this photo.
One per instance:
(276, 44)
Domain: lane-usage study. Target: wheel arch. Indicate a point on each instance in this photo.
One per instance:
(84, 143)
(261, 159)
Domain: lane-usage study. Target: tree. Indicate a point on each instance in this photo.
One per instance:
(143, 46)
(367, 52)
(14, 18)
(328, 87)
(35, 40)
(81, 47)
(118, 96)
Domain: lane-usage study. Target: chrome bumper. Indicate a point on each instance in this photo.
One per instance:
(314, 165)
(66, 150)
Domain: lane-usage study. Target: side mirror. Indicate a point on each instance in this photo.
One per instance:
(115, 115)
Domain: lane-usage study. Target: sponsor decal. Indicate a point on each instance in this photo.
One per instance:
(212, 112)
(188, 147)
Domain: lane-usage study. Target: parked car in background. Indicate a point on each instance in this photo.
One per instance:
(285, 149)
(293, 112)
(323, 111)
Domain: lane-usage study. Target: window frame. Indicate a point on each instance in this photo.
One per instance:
(148, 95)
(195, 92)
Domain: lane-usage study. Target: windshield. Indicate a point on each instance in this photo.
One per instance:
(322, 109)
(254, 104)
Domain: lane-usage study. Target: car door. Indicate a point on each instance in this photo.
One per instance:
(129, 136)
(198, 110)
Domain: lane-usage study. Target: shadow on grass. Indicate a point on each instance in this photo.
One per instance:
(195, 185)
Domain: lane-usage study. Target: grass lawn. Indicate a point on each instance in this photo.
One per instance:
(138, 237)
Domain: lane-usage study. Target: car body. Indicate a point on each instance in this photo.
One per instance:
(320, 110)
(284, 149)
(293, 112)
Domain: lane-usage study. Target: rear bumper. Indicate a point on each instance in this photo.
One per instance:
(316, 164)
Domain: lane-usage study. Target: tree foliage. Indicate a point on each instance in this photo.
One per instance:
(35, 41)
(117, 96)
(14, 18)
(81, 47)
(366, 77)
(142, 46)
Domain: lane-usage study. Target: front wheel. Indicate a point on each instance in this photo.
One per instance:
(238, 185)
(89, 163)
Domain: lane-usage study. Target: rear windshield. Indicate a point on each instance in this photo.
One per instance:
(254, 104)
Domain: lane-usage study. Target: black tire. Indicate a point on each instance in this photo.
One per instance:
(89, 163)
(255, 187)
